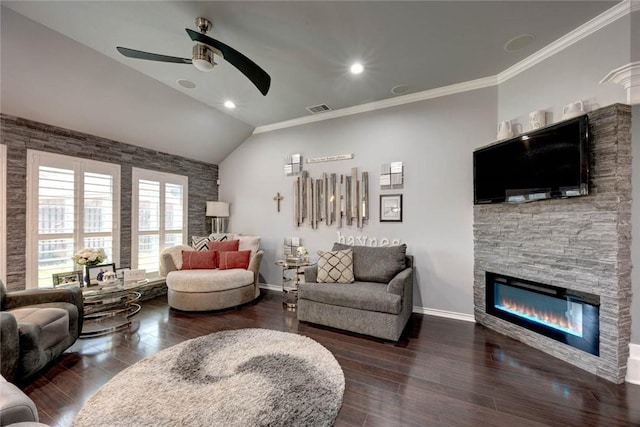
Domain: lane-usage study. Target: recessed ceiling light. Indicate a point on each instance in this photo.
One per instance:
(356, 68)
(186, 83)
(229, 104)
(397, 90)
(519, 42)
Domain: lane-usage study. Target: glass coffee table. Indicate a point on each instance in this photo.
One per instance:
(109, 309)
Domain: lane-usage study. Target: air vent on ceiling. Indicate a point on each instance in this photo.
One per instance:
(317, 109)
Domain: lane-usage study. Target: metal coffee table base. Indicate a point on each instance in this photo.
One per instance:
(108, 322)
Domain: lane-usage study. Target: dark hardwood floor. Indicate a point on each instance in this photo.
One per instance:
(442, 373)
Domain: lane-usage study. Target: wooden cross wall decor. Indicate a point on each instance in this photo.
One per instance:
(277, 199)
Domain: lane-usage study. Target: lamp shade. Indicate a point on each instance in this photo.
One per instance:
(218, 209)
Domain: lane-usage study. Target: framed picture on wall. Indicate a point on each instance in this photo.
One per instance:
(391, 208)
(96, 272)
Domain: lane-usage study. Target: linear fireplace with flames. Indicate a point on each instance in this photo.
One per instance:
(568, 316)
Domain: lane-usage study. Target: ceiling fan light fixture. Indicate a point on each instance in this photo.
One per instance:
(204, 25)
(202, 58)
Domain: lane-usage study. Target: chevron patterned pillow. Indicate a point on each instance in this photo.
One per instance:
(335, 266)
(201, 243)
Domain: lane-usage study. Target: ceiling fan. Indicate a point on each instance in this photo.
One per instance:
(202, 56)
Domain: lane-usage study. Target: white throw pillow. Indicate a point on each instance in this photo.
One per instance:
(249, 243)
(335, 266)
(201, 243)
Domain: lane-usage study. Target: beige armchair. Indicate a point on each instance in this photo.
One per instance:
(211, 289)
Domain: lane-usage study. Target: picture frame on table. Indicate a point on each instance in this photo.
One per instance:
(68, 279)
(134, 275)
(391, 208)
(120, 272)
(95, 273)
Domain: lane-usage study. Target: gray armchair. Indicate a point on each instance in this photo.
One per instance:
(378, 303)
(16, 409)
(36, 326)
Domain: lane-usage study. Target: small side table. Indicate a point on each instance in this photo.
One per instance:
(292, 271)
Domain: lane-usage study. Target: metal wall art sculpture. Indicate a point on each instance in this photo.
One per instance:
(331, 199)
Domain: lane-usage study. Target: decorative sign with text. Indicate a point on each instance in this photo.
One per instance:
(330, 158)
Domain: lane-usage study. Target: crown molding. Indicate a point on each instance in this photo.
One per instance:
(607, 17)
(385, 103)
(629, 77)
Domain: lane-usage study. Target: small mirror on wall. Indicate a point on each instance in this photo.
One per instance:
(293, 164)
(391, 176)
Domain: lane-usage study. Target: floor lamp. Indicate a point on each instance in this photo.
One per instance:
(219, 211)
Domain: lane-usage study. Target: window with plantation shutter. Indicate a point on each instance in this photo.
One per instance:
(159, 206)
(72, 203)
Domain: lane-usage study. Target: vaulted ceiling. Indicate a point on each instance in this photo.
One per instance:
(59, 64)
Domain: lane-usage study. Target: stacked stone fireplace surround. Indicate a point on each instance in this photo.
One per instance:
(580, 243)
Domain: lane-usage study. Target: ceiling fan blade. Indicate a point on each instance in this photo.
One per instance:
(138, 54)
(257, 75)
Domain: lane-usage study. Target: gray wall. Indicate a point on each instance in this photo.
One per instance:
(20, 135)
(571, 75)
(434, 139)
(635, 32)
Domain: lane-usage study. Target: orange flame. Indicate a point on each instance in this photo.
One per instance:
(545, 316)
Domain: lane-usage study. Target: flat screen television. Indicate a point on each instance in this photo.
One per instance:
(552, 162)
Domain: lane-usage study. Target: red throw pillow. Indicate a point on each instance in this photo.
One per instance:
(235, 259)
(229, 245)
(195, 260)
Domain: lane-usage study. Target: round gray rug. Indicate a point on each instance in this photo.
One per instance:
(245, 377)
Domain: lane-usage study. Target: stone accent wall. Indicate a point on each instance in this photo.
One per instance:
(20, 135)
(152, 290)
(581, 243)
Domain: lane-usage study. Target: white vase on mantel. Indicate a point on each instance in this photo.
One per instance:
(505, 130)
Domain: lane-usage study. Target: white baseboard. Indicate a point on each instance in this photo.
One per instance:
(271, 287)
(444, 313)
(633, 364)
(416, 309)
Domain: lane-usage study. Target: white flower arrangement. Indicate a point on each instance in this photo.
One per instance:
(303, 254)
(90, 256)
